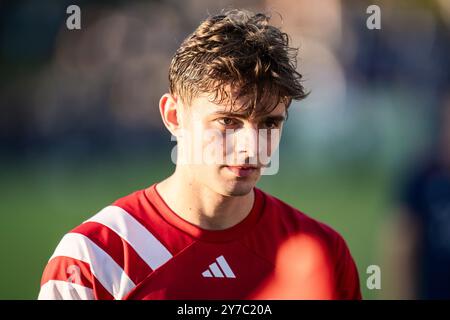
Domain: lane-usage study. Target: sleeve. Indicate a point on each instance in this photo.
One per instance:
(65, 278)
(70, 272)
(347, 278)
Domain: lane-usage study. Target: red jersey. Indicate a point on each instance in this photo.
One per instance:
(138, 248)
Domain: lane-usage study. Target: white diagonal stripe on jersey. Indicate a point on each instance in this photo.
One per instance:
(225, 267)
(103, 267)
(150, 249)
(207, 274)
(63, 290)
(215, 270)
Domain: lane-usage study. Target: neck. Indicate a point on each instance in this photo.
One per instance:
(202, 206)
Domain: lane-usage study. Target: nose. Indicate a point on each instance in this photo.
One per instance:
(246, 143)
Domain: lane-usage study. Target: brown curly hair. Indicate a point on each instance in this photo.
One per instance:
(234, 56)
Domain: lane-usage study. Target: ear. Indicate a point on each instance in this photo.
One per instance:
(170, 110)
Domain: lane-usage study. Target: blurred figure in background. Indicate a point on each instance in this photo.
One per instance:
(417, 238)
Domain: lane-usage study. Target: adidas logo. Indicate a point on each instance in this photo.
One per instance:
(219, 269)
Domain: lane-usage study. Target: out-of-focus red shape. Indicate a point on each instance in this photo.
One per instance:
(303, 272)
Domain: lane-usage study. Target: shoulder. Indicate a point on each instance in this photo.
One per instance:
(307, 237)
(116, 246)
(132, 202)
(293, 220)
(118, 216)
(125, 230)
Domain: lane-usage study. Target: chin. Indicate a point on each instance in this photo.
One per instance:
(238, 188)
(240, 192)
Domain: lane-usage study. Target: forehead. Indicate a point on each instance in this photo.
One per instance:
(203, 105)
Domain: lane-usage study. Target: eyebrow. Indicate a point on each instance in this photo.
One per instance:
(277, 117)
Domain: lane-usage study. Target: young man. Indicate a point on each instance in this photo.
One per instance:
(206, 232)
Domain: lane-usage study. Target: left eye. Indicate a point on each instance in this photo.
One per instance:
(226, 121)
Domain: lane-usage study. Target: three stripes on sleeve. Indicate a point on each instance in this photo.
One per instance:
(103, 258)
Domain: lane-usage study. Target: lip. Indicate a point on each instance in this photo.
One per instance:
(243, 170)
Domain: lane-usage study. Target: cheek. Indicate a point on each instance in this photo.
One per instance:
(271, 141)
(210, 174)
(199, 137)
(229, 144)
(212, 147)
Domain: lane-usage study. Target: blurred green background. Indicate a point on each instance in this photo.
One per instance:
(80, 127)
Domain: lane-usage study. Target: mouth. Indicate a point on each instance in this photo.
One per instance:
(242, 170)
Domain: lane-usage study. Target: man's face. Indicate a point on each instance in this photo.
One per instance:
(226, 150)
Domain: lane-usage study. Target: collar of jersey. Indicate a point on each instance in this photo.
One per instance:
(238, 230)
